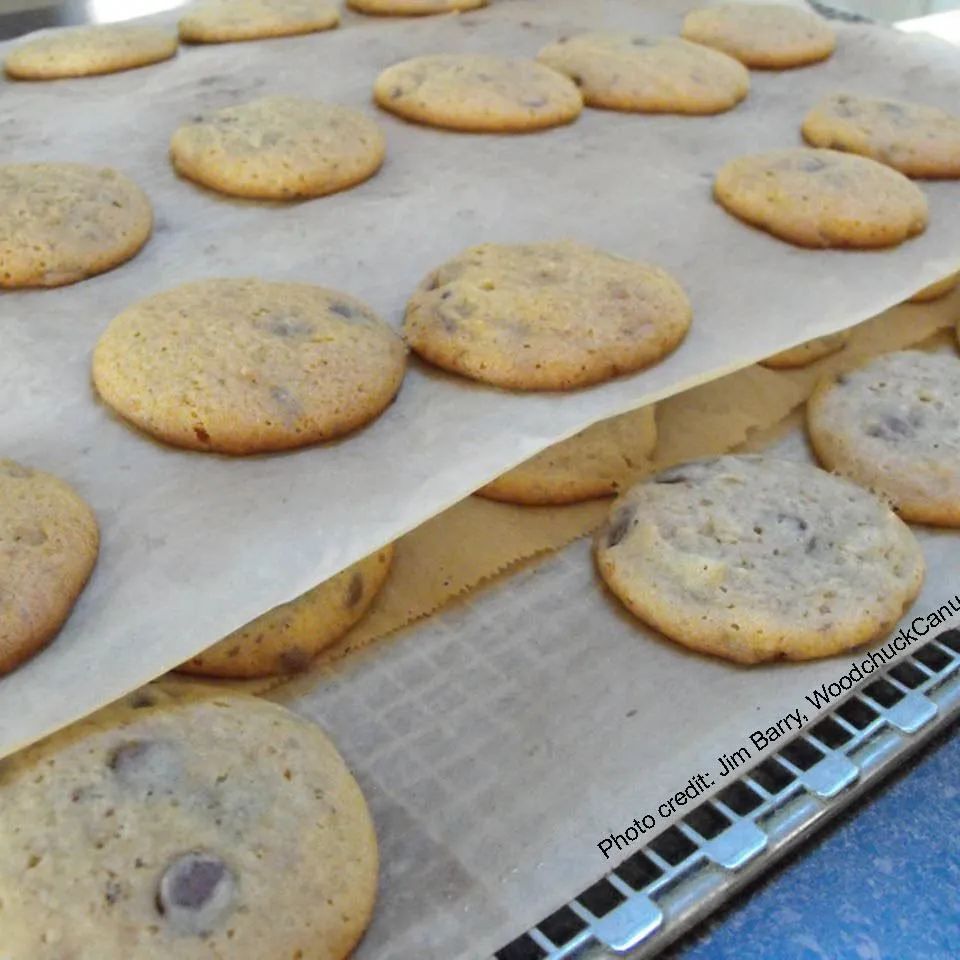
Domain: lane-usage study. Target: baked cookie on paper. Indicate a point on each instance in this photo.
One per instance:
(545, 316)
(48, 547)
(822, 198)
(413, 8)
(752, 558)
(85, 51)
(767, 36)
(226, 21)
(803, 354)
(287, 638)
(246, 366)
(893, 426)
(917, 140)
(634, 72)
(478, 93)
(63, 222)
(936, 290)
(279, 148)
(597, 462)
(188, 824)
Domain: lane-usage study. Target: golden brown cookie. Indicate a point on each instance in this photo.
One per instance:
(478, 93)
(752, 558)
(84, 51)
(184, 823)
(804, 354)
(597, 462)
(631, 71)
(245, 366)
(63, 222)
(915, 139)
(767, 36)
(287, 638)
(893, 426)
(226, 21)
(279, 148)
(413, 8)
(545, 316)
(822, 198)
(936, 290)
(48, 547)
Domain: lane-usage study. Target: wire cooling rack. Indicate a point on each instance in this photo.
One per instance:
(682, 875)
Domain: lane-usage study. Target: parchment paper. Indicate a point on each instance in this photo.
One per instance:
(195, 545)
(502, 739)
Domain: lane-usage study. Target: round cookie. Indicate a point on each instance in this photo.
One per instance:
(478, 93)
(545, 316)
(279, 148)
(767, 36)
(184, 822)
(804, 354)
(85, 51)
(63, 222)
(917, 140)
(413, 8)
(597, 462)
(936, 290)
(287, 638)
(893, 426)
(48, 547)
(630, 71)
(244, 366)
(822, 198)
(752, 558)
(226, 21)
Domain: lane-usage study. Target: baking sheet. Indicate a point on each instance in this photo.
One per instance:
(195, 545)
(502, 739)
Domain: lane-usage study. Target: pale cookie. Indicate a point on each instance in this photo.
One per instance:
(226, 21)
(279, 148)
(48, 546)
(631, 71)
(413, 8)
(545, 316)
(597, 462)
(915, 139)
(936, 290)
(62, 222)
(287, 638)
(822, 198)
(766, 36)
(85, 51)
(751, 558)
(893, 426)
(184, 822)
(244, 366)
(478, 93)
(804, 354)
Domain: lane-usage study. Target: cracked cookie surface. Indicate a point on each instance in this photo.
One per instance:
(752, 558)
(245, 366)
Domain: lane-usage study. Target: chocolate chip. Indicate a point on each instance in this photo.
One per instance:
(343, 309)
(620, 525)
(890, 427)
(141, 699)
(195, 893)
(355, 590)
(149, 766)
(792, 518)
(290, 327)
(811, 545)
(294, 660)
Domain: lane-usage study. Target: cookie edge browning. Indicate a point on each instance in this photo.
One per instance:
(877, 238)
(829, 450)
(229, 186)
(46, 631)
(783, 60)
(936, 290)
(692, 633)
(249, 667)
(196, 34)
(119, 65)
(454, 120)
(441, 7)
